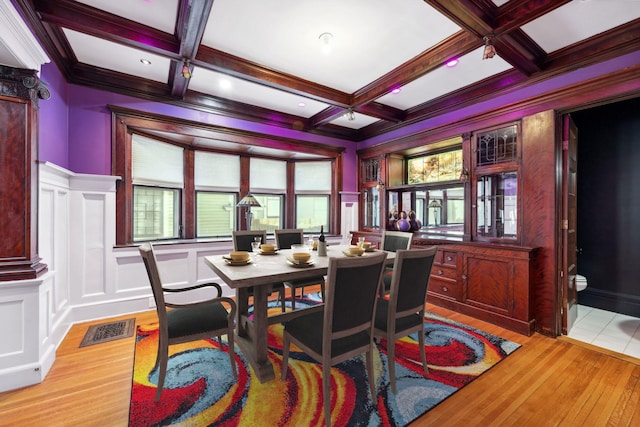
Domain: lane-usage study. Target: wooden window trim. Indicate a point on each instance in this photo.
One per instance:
(125, 122)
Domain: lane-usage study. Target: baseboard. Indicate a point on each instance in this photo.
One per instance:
(610, 301)
(28, 374)
(106, 309)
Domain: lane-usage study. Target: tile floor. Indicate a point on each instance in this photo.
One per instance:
(613, 331)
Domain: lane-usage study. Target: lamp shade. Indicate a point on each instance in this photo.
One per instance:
(248, 201)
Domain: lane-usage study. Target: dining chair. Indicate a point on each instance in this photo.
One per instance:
(344, 328)
(284, 239)
(392, 241)
(187, 322)
(242, 240)
(403, 312)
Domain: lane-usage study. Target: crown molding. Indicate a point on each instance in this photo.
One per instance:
(18, 47)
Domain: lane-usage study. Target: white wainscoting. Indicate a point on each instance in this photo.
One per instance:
(88, 278)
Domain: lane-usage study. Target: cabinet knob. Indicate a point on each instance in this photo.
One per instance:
(445, 289)
(440, 272)
(464, 277)
(449, 258)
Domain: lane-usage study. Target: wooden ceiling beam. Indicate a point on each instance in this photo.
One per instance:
(223, 62)
(325, 116)
(95, 22)
(455, 46)
(192, 21)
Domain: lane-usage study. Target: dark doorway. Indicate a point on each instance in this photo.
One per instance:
(608, 216)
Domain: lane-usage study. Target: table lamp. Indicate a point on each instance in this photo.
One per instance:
(248, 201)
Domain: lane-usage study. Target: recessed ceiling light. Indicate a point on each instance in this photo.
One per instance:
(145, 61)
(301, 104)
(225, 84)
(396, 91)
(452, 63)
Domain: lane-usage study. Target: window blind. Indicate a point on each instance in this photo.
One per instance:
(268, 175)
(313, 176)
(157, 163)
(216, 171)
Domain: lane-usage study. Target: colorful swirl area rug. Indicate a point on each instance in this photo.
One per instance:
(200, 389)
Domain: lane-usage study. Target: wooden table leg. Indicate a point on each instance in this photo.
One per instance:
(252, 340)
(242, 302)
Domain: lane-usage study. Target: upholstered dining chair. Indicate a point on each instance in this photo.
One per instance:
(392, 241)
(242, 240)
(187, 321)
(284, 239)
(344, 328)
(403, 312)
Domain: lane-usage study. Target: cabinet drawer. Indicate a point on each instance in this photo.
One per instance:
(446, 272)
(450, 258)
(445, 287)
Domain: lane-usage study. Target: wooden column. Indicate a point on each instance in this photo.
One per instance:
(19, 93)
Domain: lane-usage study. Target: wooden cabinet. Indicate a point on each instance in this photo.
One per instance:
(489, 282)
(444, 279)
(19, 94)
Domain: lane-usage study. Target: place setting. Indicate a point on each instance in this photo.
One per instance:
(267, 249)
(237, 258)
(360, 249)
(300, 257)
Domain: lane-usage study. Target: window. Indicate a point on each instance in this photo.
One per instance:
(313, 195)
(185, 182)
(269, 216)
(268, 183)
(156, 191)
(215, 214)
(217, 182)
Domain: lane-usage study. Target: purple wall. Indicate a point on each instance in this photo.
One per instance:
(54, 119)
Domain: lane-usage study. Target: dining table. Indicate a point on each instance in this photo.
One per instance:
(260, 273)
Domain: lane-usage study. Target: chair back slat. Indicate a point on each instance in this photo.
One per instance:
(151, 264)
(411, 278)
(352, 287)
(287, 237)
(394, 240)
(242, 239)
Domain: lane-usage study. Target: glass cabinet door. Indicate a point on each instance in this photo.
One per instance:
(371, 207)
(497, 205)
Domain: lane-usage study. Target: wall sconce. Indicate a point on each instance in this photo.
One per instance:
(489, 48)
(464, 175)
(380, 185)
(247, 202)
(186, 69)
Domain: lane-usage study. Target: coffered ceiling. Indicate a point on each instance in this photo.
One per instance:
(263, 60)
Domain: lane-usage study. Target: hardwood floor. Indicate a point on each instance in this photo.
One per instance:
(547, 382)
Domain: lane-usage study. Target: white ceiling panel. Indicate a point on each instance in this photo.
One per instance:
(116, 57)
(471, 68)
(159, 14)
(224, 86)
(370, 37)
(579, 20)
(359, 121)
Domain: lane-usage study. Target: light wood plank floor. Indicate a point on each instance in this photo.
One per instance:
(547, 382)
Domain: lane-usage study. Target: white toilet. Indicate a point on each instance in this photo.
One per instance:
(581, 282)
